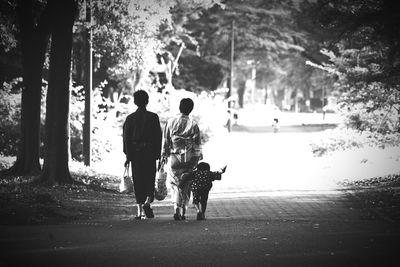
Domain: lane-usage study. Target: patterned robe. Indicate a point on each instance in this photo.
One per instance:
(182, 147)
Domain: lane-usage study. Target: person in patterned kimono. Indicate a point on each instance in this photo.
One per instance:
(182, 148)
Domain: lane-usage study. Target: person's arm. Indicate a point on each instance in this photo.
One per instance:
(218, 175)
(158, 137)
(167, 141)
(197, 141)
(196, 135)
(215, 176)
(124, 138)
(125, 130)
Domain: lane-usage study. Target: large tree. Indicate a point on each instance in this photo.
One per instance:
(56, 19)
(33, 38)
(55, 168)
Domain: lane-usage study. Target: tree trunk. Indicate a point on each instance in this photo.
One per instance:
(55, 168)
(33, 48)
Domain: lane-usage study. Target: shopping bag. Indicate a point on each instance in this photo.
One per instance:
(126, 184)
(160, 186)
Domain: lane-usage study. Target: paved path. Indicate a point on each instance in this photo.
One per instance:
(275, 229)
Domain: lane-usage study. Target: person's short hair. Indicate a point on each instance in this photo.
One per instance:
(203, 166)
(186, 106)
(141, 98)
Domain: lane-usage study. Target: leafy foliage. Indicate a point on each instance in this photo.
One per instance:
(8, 27)
(108, 118)
(343, 138)
(10, 115)
(364, 57)
(107, 121)
(124, 40)
(105, 127)
(10, 105)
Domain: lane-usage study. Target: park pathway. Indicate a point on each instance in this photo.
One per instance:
(275, 206)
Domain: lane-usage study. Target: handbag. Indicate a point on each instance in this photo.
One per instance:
(126, 184)
(160, 187)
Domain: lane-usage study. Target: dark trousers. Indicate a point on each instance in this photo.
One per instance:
(201, 196)
(143, 174)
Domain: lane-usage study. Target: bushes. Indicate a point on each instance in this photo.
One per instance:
(105, 127)
(107, 120)
(361, 117)
(344, 138)
(10, 116)
(6, 162)
(10, 113)
(364, 126)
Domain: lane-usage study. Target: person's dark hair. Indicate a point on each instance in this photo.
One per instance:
(186, 106)
(203, 166)
(141, 98)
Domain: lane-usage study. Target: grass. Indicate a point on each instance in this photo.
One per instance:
(92, 196)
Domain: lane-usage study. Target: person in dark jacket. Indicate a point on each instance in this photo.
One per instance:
(142, 139)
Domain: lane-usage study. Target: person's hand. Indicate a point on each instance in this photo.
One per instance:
(223, 169)
(126, 164)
